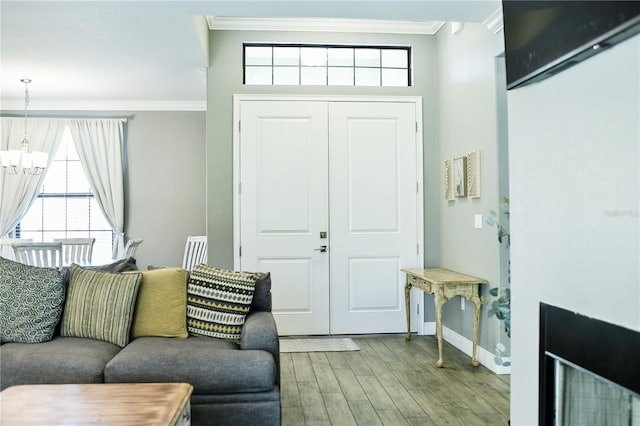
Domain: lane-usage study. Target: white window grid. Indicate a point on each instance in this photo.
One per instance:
(326, 65)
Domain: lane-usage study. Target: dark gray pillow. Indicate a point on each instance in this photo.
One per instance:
(122, 265)
(262, 295)
(31, 301)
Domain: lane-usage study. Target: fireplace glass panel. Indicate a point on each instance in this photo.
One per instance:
(584, 399)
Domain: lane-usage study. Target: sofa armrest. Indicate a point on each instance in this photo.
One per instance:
(260, 333)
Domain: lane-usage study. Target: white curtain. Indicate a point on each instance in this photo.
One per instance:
(17, 192)
(100, 145)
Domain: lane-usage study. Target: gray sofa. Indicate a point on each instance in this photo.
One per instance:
(234, 383)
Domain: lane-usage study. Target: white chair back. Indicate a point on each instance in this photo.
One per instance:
(6, 250)
(195, 251)
(39, 254)
(131, 247)
(76, 250)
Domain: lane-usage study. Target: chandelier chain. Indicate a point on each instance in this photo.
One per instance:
(27, 100)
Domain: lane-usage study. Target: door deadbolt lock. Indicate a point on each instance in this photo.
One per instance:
(322, 249)
(323, 234)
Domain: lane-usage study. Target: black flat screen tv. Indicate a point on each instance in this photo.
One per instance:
(543, 38)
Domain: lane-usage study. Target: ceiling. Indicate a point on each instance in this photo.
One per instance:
(136, 55)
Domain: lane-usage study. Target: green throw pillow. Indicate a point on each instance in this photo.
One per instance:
(31, 301)
(161, 309)
(100, 305)
(218, 301)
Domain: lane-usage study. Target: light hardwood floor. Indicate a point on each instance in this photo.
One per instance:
(391, 382)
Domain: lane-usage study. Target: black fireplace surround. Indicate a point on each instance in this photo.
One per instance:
(606, 350)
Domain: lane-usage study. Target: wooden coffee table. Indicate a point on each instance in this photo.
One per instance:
(91, 404)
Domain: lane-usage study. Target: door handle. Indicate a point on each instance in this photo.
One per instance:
(322, 249)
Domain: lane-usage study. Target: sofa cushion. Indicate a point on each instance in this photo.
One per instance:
(161, 309)
(61, 360)
(31, 301)
(218, 301)
(210, 365)
(100, 305)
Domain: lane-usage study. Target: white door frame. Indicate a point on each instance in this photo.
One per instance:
(417, 297)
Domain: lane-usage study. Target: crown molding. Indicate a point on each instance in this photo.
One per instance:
(494, 22)
(323, 25)
(99, 105)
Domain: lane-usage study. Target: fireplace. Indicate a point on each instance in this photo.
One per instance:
(589, 371)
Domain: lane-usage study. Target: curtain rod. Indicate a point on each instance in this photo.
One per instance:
(70, 117)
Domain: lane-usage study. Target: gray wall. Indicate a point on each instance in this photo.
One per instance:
(166, 183)
(575, 196)
(225, 80)
(468, 120)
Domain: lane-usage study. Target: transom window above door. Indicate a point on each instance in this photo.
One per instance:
(326, 65)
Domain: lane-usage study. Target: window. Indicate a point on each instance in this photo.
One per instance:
(66, 207)
(326, 65)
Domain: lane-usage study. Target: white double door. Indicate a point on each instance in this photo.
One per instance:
(329, 203)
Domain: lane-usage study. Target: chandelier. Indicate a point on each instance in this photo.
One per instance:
(15, 161)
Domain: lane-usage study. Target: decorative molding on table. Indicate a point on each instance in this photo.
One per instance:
(465, 345)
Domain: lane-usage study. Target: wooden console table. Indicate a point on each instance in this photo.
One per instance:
(97, 404)
(444, 285)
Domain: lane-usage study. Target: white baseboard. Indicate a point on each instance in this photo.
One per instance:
(484, 356)
(429, 328)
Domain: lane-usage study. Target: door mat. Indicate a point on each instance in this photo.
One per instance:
(325, 344)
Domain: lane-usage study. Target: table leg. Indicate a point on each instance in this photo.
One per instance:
(407, 302)
(439, 301)
(476, 324)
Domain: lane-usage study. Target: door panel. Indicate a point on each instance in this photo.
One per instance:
(363, 296)
(283, 175)
(373, 215)
(366, 168)
(295, 279)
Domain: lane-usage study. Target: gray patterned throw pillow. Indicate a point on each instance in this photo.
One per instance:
(31, 301)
